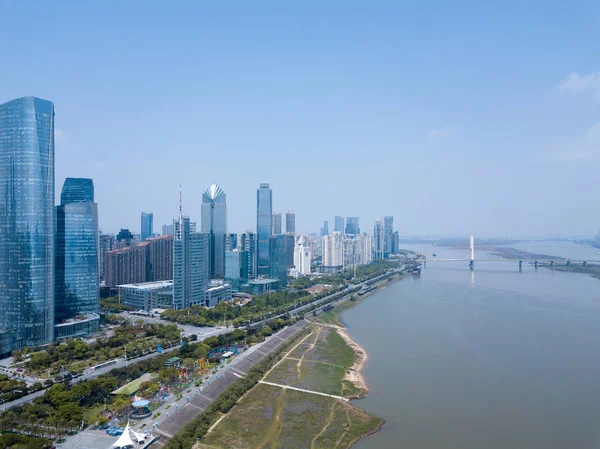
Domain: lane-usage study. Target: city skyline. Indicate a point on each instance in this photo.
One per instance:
(469, 125)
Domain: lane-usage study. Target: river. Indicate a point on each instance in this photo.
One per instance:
(490, 358)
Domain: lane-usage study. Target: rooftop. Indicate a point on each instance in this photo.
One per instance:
(262, 281)
(148, 285)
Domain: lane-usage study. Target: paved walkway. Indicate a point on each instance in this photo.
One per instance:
(287, 387)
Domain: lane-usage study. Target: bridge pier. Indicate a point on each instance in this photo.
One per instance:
(551, 263)
(536, 264)
(520, 266)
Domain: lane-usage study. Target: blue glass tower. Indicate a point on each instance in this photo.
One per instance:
(77, 284)
(264, 217)
(214, 222)
(278, 259)
(147, 226)
(26, 223)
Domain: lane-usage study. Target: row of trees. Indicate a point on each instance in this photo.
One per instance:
(276, 302)
(198, 427)
(137, 339)
(62, 408)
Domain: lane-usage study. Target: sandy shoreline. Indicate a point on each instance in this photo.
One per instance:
(354, 373)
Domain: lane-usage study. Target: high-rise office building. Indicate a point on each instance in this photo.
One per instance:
(290, 222)
(248, 244)
(378, 240)
(124, 238)
(290, 242)
(333, 250)
(302, 256)
(76, 258)
(278, 259)
(325, 228)
(190, 264)
(108, 242)
(231, 242)
(147, 226)
(396, 243)
(264, 228)
(277, 223)
(236, 268)
(352, 226)
(167, 229)
(339, 224)
(26, 223)
(388, 236)
(214, 222)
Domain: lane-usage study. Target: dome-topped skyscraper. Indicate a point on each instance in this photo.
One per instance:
(214, 222)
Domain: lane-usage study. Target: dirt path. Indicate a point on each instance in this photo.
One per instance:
(310, 348)
(340, 439)
(329, 419)
(272, 434)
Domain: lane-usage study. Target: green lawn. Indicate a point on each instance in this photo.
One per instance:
(271, 417)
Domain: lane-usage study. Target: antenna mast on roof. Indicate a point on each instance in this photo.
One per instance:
(180, 207)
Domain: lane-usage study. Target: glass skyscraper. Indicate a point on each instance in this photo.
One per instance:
(147, 226)
(278, 259)
(77, 246)
(352, 226)
(26, 223)
(339, 224)
(214, 222)
(290, 222)
(264, 217)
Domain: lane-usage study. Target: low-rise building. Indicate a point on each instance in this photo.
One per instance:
(217, 293)
(147, 295)
(263, 285)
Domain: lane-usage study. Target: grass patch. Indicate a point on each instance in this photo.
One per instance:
(271, 417)
(90, 414)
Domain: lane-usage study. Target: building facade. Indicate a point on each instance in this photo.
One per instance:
(236, 268)
(352, 226)
(77, 283)
(264, 228)
(333, 250)
(378, 240)
(159, 258)
(248, 244)
(27, 227)
(107, 243)
(191, 264)
(339, 224)
(278, 260)
(214, 222)
(277, 223)
(147, 226)
(231, 242)
(290, 222)
(148, 295)
(302, 256)
(388, 236)
(325, 228)
(167, 229)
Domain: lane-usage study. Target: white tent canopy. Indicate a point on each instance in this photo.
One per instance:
(124, 440)
(138, 436)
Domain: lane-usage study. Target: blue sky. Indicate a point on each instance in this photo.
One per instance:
(455, 117)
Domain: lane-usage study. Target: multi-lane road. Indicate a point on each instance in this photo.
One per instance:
(201, 332)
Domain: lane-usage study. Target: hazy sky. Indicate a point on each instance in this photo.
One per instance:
(454, 117)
